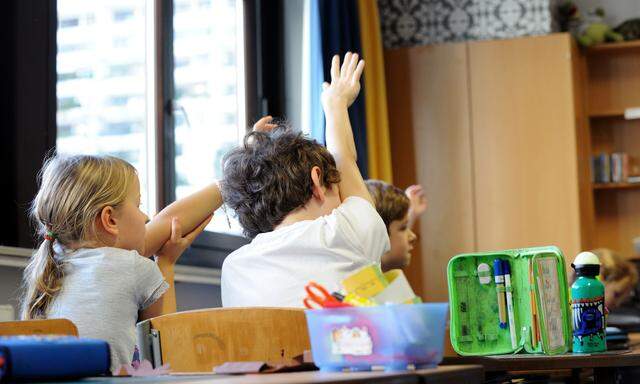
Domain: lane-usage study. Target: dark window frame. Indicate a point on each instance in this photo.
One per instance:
(27, 110)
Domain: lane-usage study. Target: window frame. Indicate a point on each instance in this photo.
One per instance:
(210, 248)
(31, 32)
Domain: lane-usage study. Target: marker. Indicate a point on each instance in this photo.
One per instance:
(506, 268)
(499, 279)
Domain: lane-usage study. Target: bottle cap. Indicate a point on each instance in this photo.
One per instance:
(586, 258)
(586, 264)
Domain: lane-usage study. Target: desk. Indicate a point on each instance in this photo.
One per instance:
(605, 365)
(468, 374)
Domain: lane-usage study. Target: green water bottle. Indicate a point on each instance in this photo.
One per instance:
(587, 305)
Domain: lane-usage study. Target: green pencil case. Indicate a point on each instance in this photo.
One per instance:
(539, 296)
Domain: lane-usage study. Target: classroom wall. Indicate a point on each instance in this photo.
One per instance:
(10, 278)
(195, 296)
(422, 22)
(188, 295)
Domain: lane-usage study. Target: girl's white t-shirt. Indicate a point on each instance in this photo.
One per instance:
(102, 291)
(274, 268)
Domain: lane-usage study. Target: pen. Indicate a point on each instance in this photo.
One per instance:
(499, 279)
(506, 269)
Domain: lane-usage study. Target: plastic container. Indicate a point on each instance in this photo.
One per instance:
(392, 336)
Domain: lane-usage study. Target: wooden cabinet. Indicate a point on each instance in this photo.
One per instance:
(500, 140)
(431, 144)
(523, 129)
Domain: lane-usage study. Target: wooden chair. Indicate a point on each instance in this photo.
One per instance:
(196, 341)
(38, 327)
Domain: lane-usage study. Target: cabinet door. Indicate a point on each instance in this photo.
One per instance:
(523, 125)
(430, 140)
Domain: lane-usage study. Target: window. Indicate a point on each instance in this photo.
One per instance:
(69, 22)
(77, 74)
(89, 100)
(108, 82)
(67, 103)
(209, 94)
(122, 128)
(128, 69)
(123, 14)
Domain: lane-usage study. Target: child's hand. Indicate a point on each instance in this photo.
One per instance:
(345, 81)
(417, 200)
(264, 124)
(173, 248)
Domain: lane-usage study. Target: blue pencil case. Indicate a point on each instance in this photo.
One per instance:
(24, 358)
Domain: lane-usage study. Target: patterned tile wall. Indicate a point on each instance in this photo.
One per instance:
(420, 22)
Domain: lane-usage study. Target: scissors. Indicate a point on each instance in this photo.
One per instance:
(319, 297)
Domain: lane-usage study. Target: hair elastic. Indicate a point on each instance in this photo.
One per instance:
(50, 235)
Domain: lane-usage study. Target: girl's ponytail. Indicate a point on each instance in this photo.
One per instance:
(42, 280)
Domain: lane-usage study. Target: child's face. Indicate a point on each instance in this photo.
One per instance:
(131, 221)
(402, 239)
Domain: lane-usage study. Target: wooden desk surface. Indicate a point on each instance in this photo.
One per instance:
(526, 362)
(468, 374)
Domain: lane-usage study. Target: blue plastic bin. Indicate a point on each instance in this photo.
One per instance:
(392, 336)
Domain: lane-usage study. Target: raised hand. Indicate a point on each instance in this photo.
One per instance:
(345, 81)
(264, 124)
(177, 244)
(418, 201)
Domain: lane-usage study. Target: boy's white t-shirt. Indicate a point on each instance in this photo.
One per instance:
(102, 291)
(275, 267)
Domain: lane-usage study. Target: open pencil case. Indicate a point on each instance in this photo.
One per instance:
(539, 296)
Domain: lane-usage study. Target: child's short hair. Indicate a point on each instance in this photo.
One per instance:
(391, 201)
(269, 176)
(73, 191)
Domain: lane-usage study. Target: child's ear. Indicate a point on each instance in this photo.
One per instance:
(108, 221)
(316, 179)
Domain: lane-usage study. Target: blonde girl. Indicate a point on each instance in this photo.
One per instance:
(90, 267)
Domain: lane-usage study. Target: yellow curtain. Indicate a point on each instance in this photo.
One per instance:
(377, 120)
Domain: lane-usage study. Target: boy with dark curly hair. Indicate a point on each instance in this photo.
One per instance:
(306, 207)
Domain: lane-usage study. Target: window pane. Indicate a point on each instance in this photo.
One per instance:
(209, 93)
(102, 80)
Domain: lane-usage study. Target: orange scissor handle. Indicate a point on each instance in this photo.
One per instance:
(320, 297)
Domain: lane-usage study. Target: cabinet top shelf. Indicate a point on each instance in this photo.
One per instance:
(621, 113)
(598, 186)
(606, 113)
(614, 47)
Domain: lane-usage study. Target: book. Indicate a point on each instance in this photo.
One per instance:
(619, 167)
(601, 168)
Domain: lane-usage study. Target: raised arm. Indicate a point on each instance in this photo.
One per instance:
(190, 211)
(336, 99)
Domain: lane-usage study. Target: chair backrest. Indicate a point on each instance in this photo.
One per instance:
(38, 327)
(196, 341)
